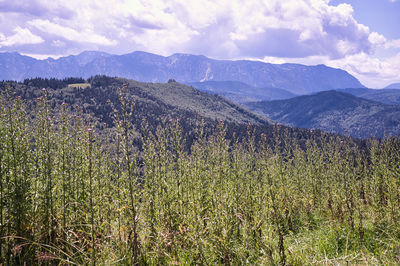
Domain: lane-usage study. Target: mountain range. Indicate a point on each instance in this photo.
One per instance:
(335, 112)
(184, 68)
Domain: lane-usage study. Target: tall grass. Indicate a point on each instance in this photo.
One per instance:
(75, 192)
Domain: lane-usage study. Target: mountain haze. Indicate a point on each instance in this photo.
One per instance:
(185, 68)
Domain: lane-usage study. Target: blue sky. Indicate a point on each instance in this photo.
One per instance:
(360, 36)
(382, 16)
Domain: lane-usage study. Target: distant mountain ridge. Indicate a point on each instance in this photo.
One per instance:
(334, 112)
(393, 86)
(185, 68)
(386, 96)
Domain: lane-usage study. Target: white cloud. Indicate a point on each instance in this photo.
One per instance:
(36, 8)
(377, 39)
(393, 44)
(21, 36)
(224, 29)
(371, 71)
(44, 56)
(58, 43)
(296, 28)
(85, 36)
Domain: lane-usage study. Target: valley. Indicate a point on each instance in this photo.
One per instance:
(262, 132)
(335, 112)
(111, 170)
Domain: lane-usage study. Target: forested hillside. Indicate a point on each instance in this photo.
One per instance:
(154, 103)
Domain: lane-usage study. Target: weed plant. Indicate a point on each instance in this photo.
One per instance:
(75, 192)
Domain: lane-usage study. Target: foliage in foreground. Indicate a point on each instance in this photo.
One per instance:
(72, 193)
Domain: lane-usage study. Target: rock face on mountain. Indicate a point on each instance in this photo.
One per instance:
(185, 68)
(334, 112)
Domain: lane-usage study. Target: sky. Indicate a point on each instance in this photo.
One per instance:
(359, 36)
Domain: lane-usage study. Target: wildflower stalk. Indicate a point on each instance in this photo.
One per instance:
(124, 123)
(91, 197)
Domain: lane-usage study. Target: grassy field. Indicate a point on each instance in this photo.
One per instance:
(79, 85)
(74, 192)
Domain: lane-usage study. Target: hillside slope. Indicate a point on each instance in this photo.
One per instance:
(334, 112)
(153, 101)
(240, 92)
(156, 104)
